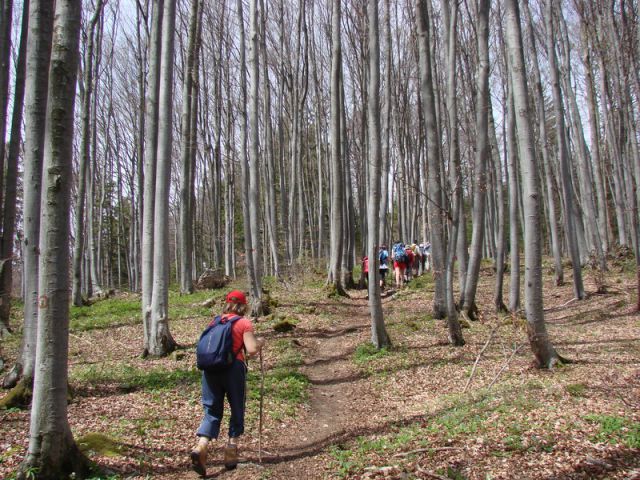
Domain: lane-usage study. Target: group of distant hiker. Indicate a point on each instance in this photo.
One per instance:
(409, 260)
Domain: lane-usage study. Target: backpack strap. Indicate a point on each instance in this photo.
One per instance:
(233, 320)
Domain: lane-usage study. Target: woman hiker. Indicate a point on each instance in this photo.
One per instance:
(230, 383)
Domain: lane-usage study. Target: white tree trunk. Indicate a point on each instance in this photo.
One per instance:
(160, 340)
(541, 346)
(52, 451)
(150, 160)
(379, 336)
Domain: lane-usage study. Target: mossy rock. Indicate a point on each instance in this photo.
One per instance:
(286, 324)
(101, 444)
(177, 356)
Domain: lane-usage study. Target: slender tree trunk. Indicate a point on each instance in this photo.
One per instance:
(455, 171)
(379, 336)
(254, 163)
(270, 185)
(186, 154)
(36, 86)
(545, 354)
(6, 22)
(386, 150)
(546, 158)
(337, 182)
(436, 209)
(150, 161)
(11, 179)
(79, 224)
(563, 157)
(52, 452)
(160, 340)
(482, 152)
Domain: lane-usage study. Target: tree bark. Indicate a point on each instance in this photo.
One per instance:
(545, 354)
(187, 154)
(79, 223)
(52, 452)
(482, 152)
(563, 158)
(379, 335)
(36, 85)
(436, 208)
(11, 178)
(337, 178)
(150, 161)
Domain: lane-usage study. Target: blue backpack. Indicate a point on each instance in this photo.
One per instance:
(399, 253)
(214, 351)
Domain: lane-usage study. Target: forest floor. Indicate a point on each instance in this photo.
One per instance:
(336, 408)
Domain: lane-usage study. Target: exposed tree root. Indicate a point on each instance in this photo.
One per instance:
(18, 397)
(66, 461)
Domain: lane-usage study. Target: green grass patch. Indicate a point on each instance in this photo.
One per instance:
(106, 313)
(285, 388)
(616, 429)
(576, 389)
(367, 353)
(189, 306)
(130, 378)
(462, 420)
(100, 444)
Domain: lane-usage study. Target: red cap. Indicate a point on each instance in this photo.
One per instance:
(236, 296)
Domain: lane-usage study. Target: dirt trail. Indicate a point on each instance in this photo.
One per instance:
(336, 386)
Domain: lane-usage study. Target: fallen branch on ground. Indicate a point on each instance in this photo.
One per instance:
(506, 364)
(475, 365)
(431, 475)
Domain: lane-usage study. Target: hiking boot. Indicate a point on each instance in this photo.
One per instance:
(199, 461)
(230, 456)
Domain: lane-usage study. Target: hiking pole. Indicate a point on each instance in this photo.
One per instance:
(261, 404)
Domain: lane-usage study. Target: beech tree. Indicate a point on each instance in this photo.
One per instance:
(52, 451)
(541, 346)
(379, 336)
(38, 56)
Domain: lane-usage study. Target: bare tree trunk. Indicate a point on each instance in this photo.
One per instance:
(187, 152)
(160, 340)
(6, 22)
(379, 335)
(545, 354)
(563, 158)
(79, 224)
(254, 163)
(546, 159)
(498, 299)
(150, 161)
(383, 233)
(455, 172)
(52, 451)
(337, 176)
(436, 209)
(270, 184)
(482, 152)
(11, 179)
(36, 86)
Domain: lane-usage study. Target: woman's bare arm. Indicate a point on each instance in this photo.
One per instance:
(252, 343)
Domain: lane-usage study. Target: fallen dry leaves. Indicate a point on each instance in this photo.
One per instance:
(514, 421)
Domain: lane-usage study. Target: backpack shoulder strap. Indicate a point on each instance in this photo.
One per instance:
(232, 320)
(216, 320)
